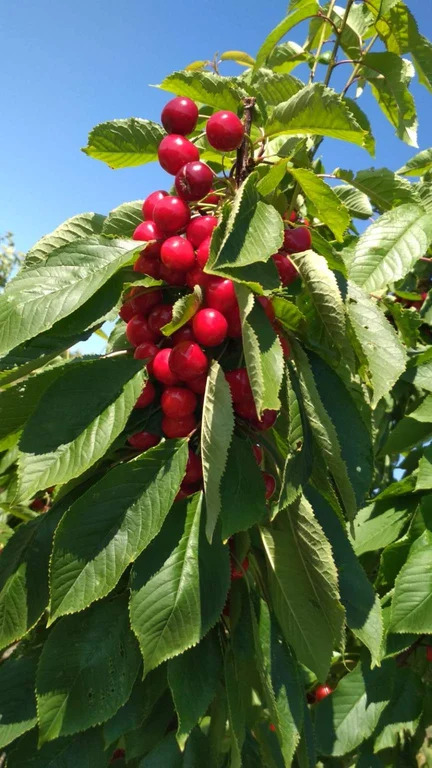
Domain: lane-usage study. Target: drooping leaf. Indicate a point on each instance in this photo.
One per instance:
(413, 429)
(236, 709)
(17, 698)
(77, 228)
(206, 87)
(183, 310)
(286, 56)
(304, 10)
(123, 220)
(240, 57)
(242, 490)
(389, 77)
(330, 209)
(412, 600)
(125, 143)
(355, 201)
(138, 708)
(83, 749)
(274, 87)
(378, 524)
(402, 713)
(166, 753)
(384, 188)
(418, 165)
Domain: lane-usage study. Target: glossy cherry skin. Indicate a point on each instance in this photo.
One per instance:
(147, 396)
(267, 307)
(146, 351)
(175, 151)
(147, 265)
(150, 202)
(270, 485)
(183, 334)
(199, 228)
(38, 505)
(147, 231)
(142, 303)
(203, 252)
(142, 441)
(237, 571)
(210, 327)
(196, 276)
(239, 384)
(180, 116)
(178, 427)
(188, 361)
(127, 311)
(193, 181)
(286, 269)
(177, 253)
(297, 240)
(198, 385)
(193, 470)
(158, 317)
(258, 453)
(172, 276)
(268, 418)
(220, 294)
(246, 408)
(171, 215)
(161, 368)
(178, 402)
(225, 131)
(138, 331)
(322, 691)
(234, 323)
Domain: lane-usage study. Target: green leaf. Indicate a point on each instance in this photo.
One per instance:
(183, 310)
(286, 56)
(77, 228)
(385, 188)
(420, 376)
(275, 88)
(85, 750)
(390, 247)
(424, 479)
(123, 220)
(193, 678)
(299, 14)
(129, 505)
(175, 608)
(330, 210)
(412, 599)
(98, 396)
(138, 708)
(17, 699)
(242, 490)
(303, 586)
(205, 87)
(236, 709)
(240, 57)
(268, 183)
(40, 296)
(384, 354)
(166, 754)
(355, 201)
(377, 525)
(82, 688)
(418, 165)
(216, 433)
(389, 77)
(402, 713)
(125, 143)
(414, 428)
(318, 111)
(288, 314)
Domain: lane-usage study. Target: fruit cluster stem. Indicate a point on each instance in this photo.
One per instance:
(243, 166)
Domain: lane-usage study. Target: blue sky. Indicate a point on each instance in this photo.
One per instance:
(69, 65)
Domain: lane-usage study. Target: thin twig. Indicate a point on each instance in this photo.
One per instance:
(356, 69)
(337, 43)
(321, 41)
(242, 168)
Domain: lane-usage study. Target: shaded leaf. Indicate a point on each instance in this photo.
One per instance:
(17, 698)
(242, 490)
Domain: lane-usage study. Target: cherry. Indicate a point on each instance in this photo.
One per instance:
(147, 396)
(258, 453)
(203, 252)
(196, 276)
(147, 231)
(171, 215)
(268, 418)
(142, 441)
(238, 572)
(211, 199)
(147, 264)
(286, 269)
(177, 402)
(172, 276)
(117, 754)
(188, 361)
(198, 385)
(150, 202)
(246, 408)
(199, 228)
(38, 505)
(187, 489)
(146, 351)
(292, 217)
(180, 116)
(240, 387)
(142, 303)
(183, 334)
(161, 367)
(138, 331)
(175, 151)
(267, 307)
(272, 728)
(158, 317)
(220, 294)
(177, 253)
(193, 181)
(270, 484)
(297, 240)
(193, 470)
(234, 323)
(286, 349)
(178, 427)
(126, 311)
(224, 131)
(210, 327)
(322, 691)
(429, 652)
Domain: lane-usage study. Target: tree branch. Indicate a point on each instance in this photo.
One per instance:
(243, 166)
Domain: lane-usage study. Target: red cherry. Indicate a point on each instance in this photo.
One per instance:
(267, 307)
(199, 228)
(172, 276)
(150, 202)
(178, 427)
(177, 402)
(270, 484)
(177, 253)
(224, 131)
(211, 199)
(322, 691)
(183, 334)
(203, 252)
(180, 116)
(161, 367)
(196, 276)
(38, 505)
(198, 385)
(246, 408)
(171, 215)
(117, 754)
(238, 572)
(158, 317)
(193, 181)
(188, 361)
(272, 728)
(175, 151)
(286, 349)
(297, 240)
(147, 265)
(146, 351)
(240, 387)
(286, 269)
(142, 441)
(126, 311)
(258, 453)
(147, 231)
(138, 331)
(210, 327)
(193, 470)
(234, 323)
(268, 418)
(220, 294)
(147, 396)
(429, 652)
(142, 303)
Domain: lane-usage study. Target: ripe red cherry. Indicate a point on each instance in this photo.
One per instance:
(171, 215)
(429, 652)
(267, 307)
(38, 505)
(183, 334)
(234, 323)
(117, 754)
(193, 470)
(237, 571)
(210, 327)
(172, 276)
(146, 351)
(322, 691)
(224, 131)
(193, 181)
(196, 276)
(177, 402)
(258, 453)
(199, 228)
(178, 427)
(220, 294)
(147, 396)
(240, 387)
(246, 408)
(175, 151)
(272, 728)
(150, 202)
(147, 231)
(268, 418)
(161, 367)
(147, 265)
(126, 311)
(297, 240)
(138, 331)
(142, 441)
(286, 269)
(203, 252)
(180, 116)
(177, 253)
(198, 385)
(188, 361)
(270, 485)
(142, 303)
(158, 317)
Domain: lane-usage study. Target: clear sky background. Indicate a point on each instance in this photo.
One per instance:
(71, 64)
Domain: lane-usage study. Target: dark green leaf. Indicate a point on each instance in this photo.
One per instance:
(85, 750)
(17, 698)
(412, 600)
(242, 490)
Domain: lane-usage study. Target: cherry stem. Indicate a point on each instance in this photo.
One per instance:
(242, 165)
